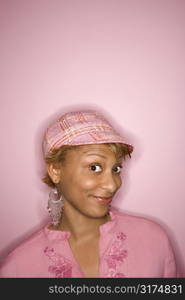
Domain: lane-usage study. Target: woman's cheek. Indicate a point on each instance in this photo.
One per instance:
(89, 183)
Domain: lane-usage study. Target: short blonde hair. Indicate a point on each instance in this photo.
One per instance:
(57, 156)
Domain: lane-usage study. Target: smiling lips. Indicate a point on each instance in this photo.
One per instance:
(103, 200)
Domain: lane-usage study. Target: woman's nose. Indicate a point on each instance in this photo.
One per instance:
(110, 184)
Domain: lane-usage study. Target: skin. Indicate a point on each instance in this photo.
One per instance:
(90, 171)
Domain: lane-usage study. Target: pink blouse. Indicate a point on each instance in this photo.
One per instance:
(129, 246)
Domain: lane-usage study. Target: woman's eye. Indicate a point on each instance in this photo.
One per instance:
(117, 169)
(95, 168)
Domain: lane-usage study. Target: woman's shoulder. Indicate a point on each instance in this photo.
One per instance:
(139, 225)
(31, 243)
(25, 254)
(32, 240)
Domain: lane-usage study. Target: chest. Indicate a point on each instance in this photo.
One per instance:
(103, 257)
(86, 255)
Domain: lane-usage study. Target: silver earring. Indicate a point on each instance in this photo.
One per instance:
(55, 205)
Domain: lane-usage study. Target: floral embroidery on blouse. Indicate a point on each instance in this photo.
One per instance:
(115, 256)
(60, 267)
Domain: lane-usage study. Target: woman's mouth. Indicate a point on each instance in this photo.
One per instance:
(103, 200)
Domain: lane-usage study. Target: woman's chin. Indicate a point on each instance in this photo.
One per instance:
(99, 213)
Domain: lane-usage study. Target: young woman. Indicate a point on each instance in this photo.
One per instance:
(87, 238)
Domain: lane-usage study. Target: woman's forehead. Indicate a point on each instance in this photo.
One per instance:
(93, 149)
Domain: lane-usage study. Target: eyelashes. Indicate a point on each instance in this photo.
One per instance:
(117, 169)
(97, 168)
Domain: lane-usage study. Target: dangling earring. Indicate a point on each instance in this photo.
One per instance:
(55, 205)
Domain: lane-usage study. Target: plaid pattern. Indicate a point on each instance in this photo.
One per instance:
(80, 128)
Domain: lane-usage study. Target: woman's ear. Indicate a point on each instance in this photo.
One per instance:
(54, 172)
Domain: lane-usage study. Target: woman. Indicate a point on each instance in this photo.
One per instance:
(88, 238)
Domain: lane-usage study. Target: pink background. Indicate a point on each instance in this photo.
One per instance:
(125, 58)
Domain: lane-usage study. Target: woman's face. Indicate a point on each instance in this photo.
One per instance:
(89, 179)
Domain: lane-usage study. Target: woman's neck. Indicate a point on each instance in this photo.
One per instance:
(80, 225)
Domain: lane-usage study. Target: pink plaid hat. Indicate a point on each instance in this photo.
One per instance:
(80, 128)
